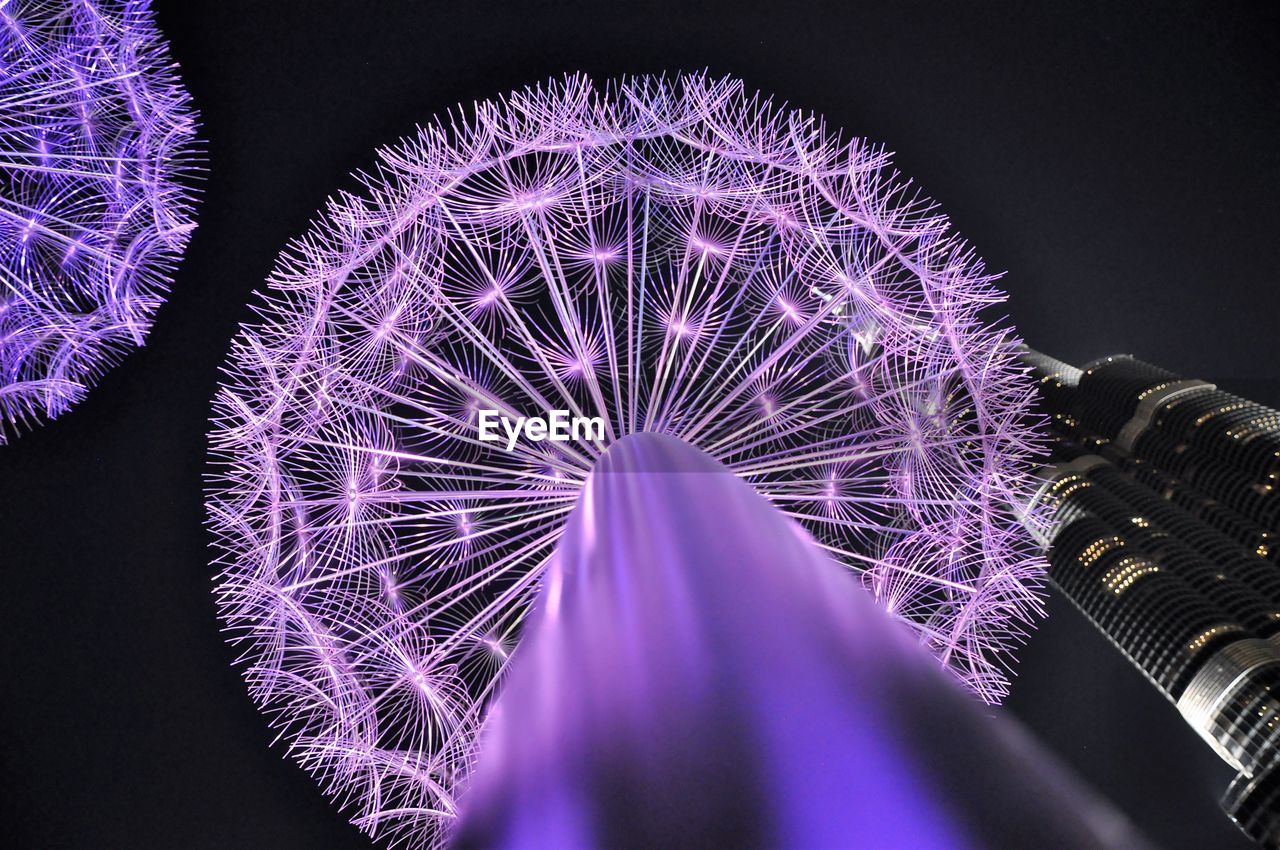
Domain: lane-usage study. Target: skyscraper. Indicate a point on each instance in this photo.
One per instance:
(1165, 532)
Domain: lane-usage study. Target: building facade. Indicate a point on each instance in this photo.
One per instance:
(1164, 506)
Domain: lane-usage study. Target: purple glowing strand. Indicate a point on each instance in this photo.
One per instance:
(671, 255)
(97, 148)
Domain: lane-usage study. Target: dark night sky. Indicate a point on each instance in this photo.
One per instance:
(1119, 162)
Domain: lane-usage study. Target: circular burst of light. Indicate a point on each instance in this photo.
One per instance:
(97, 140)
(670, 255)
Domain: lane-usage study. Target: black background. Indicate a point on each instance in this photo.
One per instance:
(1119, 162)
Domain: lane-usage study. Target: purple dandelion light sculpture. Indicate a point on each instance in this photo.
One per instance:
(97, 145)
(439, 363)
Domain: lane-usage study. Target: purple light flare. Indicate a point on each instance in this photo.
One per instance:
(670, 255)
(97, 154)
(696, 673)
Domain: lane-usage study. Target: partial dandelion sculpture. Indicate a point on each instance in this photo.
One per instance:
(671, 255)
(97, 142)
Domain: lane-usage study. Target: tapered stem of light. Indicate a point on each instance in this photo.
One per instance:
(698, 673)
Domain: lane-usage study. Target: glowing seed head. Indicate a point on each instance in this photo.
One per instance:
(669, 255)
(97, 145)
